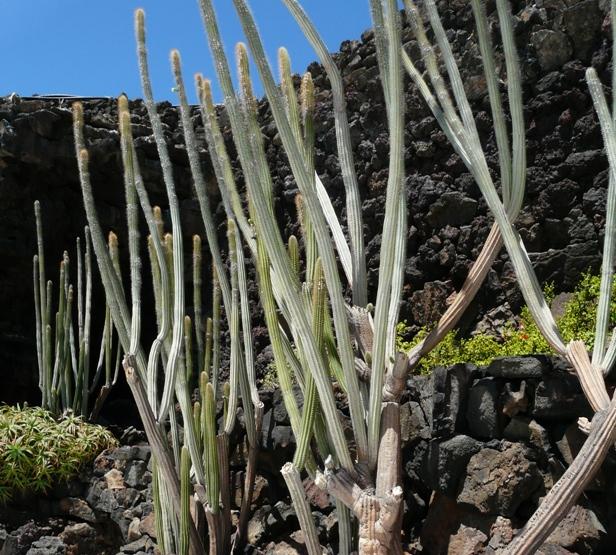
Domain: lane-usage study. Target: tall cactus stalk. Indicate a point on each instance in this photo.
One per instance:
(185, 492)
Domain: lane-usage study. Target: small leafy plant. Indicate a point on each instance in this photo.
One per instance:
(523, 338)
(38, 450)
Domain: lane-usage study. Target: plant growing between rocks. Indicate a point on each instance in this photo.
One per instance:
(38, 450)
(518, 338)
(319, 333)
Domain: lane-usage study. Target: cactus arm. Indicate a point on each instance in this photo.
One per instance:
(345, 153)
(395, 190)
(449, 123)
(87, 323)
(207, 356)
(398, 281)
(113, 292)
(383, 39)
(210, 445)
(212, 467)
(248, 378)
(234, 330)
(185, 495)
(182, 393)
(292, 478)
(197, 270)
(70, 366)
(133, 225)
(39, 330)
(221, 162)
(162, 289)
(100, 365)
(307, 104)
(178, 249)
(498, 117)
(307, 113)
(246, 328)
(607, 267)
(288, 93)
(310, 394)
(45, 369)
(174, 432)
(228, 193)
(248, 108)
(215, 331)
(455, 78)
(188, 347)
(344, 253)
(159, 508)
(198, 179)
(58, 367)
(197, 419)
(222, 442)
(516, 110)
(380, 42)
(79, 291)
(293, 250)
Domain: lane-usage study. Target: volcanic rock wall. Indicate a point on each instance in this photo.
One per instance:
(561, 221)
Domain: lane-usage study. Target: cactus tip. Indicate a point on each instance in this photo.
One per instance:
(140, 24)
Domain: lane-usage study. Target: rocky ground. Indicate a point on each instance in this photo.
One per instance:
(481, 446)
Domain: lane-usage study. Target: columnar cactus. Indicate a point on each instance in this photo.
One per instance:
(63, 352)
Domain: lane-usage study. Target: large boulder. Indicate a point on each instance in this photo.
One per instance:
(499, 481)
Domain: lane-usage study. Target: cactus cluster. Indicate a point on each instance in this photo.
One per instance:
(323, 331)
(63, 352)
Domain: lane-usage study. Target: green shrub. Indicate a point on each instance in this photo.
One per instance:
(523, 338)
(38, 450)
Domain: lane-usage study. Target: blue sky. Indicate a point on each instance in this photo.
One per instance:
(86, 47)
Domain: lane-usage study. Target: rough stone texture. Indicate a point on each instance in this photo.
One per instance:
(519, 367)
(47, 545)
(447, 462)
(472, 491)
(483, 412)
(498, 482)
(449, 397)
(579, 531)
